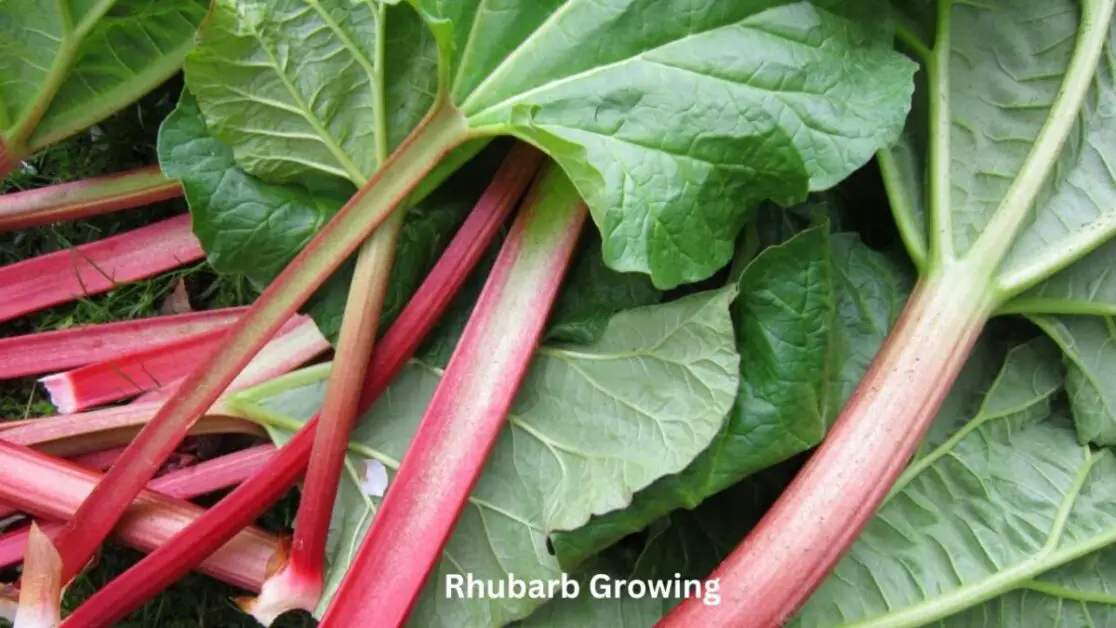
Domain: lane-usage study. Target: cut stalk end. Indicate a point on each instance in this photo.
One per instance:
(61, 391)
(41, 589)
(288, 589)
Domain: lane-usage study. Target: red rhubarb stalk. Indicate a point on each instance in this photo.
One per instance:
(129, 375)
(53, 489)
(96, 267)
(200, 479)
(41, 584)
(439, 133)
(831, 499)
(81, 199)
(170, 562)
(51, 351)
(279, 356)
(145, 370)
(98, 460)
(298, 583)
(465, 414)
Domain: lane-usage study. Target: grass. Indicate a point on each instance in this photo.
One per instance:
(125, 141)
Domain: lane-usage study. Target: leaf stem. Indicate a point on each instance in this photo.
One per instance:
(442, 130)
(81, 199)
(937, 70)
(899, 195)
(466, 413)
(398, 344)
(824, 509)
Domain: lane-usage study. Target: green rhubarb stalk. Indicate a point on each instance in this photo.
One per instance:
(466, 413)
(798, 542)
(441, 131)
(298, 583)
(91, 197)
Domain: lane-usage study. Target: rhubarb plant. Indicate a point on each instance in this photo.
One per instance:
(1001, 190)
(66, 65)
(577, 415)
(613, 117)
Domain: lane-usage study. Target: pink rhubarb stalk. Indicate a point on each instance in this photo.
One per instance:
(283, 354)
(146, 370)
(53, 489)
(298, 583)
(465, 414)
(97, 267)
(41, 585)
(51, 351)
(200, 479)
(821, 513)
(170, 562)
(439, 133)
(81, 199)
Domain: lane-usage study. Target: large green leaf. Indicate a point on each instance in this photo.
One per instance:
(673, 129)
(633, 107)
(810, 316)
(1009, 61)
(1089, 346)
(305, 88)
(591, 425)
(67, 64)
(253, 228)
(999, 524)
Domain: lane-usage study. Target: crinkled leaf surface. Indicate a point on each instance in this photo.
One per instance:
(1089, 346)
(253, 228)
(673, 129)
(807, 328)
(77, 61)
(591, 425)
(303, 90)
(998, 524)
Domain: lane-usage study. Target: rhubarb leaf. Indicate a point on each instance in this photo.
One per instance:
(1008, 65)
(1087, 344)
(253, 228)
(298, 88)
(1004, 523)
(592, 293)
(67, 65)
(809, 320)
(585, 433)
(632, 102)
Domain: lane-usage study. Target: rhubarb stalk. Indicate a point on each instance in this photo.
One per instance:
(153, 368)
(97, 267)
(41, 585)
(162, 567)
(81, 199)
(51, 488)
(51, 351)
(441, 131)
(465, 414)
(298, 583)
(200, 479)
(796, 544)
